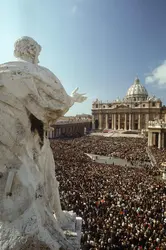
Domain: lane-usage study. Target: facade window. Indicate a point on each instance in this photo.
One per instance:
(153, 104)
(97, 105)
(109, 105)
(136, 104)
(103, 106)
(143, 105)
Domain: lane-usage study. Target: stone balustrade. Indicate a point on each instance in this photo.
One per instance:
(157, 124)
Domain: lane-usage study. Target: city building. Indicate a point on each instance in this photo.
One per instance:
(73, 126)
(157, 133)
(133, 112)
(83, 117)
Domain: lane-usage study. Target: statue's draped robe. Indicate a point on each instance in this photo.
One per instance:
(27, 89)
(37, 88)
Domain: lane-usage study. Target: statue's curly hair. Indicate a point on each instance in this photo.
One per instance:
(26, 46)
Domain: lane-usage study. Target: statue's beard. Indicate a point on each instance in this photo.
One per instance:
(36, 61)
(36, 58)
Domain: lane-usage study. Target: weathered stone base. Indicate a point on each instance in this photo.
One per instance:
(32, 243)
(34, 236)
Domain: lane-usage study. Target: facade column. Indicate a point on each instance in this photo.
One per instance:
(147, 121)
(159, 140)
(125, 122)
(118, 121)
(59, 131)
(150, 139)
(129, 121)
(93, 122)
(139, 121)
(100, 121)
(162, 140)
(132, 122)
(114, 121)
(106, 121)
(153, 139)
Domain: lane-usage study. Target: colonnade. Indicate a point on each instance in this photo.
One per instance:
(157, 139)
(127, 123)
(69, 129)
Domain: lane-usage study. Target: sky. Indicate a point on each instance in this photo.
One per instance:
(97, 45)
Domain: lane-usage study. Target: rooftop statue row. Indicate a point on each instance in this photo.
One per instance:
(31, 99)
(136, 93)
(157, 122)
(124, 100)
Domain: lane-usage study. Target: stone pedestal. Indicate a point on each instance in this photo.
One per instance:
(74, 236)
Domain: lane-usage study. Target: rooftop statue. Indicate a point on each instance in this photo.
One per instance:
(31, 99)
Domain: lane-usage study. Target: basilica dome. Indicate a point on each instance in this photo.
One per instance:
(136, 92)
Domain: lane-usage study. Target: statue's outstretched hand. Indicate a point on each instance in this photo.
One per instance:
(78, 97)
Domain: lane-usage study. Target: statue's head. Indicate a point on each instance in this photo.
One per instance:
(27, 49)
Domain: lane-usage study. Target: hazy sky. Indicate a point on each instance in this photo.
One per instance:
(97, 45)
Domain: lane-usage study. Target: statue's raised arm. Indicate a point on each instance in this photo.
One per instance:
(78, 97)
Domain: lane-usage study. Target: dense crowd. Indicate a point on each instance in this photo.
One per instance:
(121, 207)
(159, 155)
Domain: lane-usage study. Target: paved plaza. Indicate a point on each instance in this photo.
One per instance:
(115, 161)
(116, 134)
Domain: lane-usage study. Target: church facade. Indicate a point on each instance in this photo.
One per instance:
(133, 112)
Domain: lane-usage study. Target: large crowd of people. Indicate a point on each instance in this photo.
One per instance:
(159, 155)
(121, 207)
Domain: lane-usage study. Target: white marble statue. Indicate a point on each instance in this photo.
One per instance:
(31, 99)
